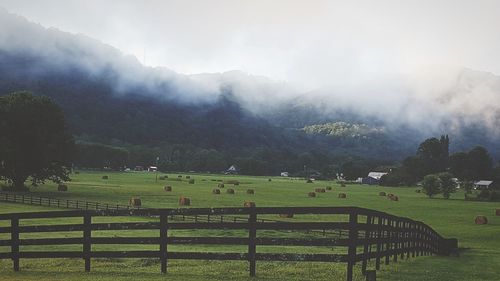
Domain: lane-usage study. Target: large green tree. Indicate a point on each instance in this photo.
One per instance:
(34, 140)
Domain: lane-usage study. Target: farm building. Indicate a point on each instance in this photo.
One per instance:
(373, 178)
(232, 170)
(482, 184)
(284, 174)
(152, 169)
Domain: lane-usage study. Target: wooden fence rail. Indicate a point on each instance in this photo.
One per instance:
(30, 199)
(372, 235)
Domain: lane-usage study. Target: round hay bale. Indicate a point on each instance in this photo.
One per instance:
(62, 187)
(249, 204)
(342, 195)
(135, 202)
(497, 212)
(481, 220)
(394, 198)
(311, 194)
(167, 188)
(287, 216)
(220, 185)
(188, 177)
(179, 176)
(328, 188)
(381, 193)
(230, 191)
(250, 191)
(184, 201)
(390, 195)
(105, 177)
(216, 191)
(191, 181)
(309, 181)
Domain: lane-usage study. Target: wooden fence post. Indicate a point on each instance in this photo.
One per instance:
(163, 242)
(353, 235)
(396, 240)
(252, 235)
(87, 230)
(14, 242)
(366, 243)
(388, 246)
(379, 245)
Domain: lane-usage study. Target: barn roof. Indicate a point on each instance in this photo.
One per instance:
(376, 175)
(483, 182)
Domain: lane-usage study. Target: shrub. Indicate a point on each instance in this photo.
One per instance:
(62, 187)
(381, 193)
(105, 177)
(328, 188)
(230, 191)
(235, 182)
(342, 195)
(250, 191)
(311, 194)
(191, 181)
(431, 185)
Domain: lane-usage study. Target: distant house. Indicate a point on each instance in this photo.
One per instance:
(284, 174)
(232, 170)
(152, 169)
(373, 178)
(482, 184)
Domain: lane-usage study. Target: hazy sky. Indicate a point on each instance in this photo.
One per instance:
(309, 43)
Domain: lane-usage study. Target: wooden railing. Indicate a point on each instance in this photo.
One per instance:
(372, 236)
(60, 203)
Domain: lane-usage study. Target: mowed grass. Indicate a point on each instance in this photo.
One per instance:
(478, 260)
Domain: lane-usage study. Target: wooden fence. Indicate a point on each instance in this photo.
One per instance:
(372, 236)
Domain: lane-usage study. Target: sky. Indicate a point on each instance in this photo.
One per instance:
(310, 44)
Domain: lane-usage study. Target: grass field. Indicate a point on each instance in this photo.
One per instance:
(480, 245)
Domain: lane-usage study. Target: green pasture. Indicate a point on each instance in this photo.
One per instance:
(479, 244)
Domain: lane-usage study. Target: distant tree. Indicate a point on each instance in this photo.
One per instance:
(467, 186)
(459, 165)
(434, 155)
(431, 185)
(34, 140)
(447, 184)
(479, 163)
(414, 166)
(94, 155)
(353, 170)
(397, 177)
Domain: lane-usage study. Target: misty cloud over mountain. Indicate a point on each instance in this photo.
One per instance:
(434, 99)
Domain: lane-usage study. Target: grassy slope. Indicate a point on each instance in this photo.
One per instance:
(451, 218)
